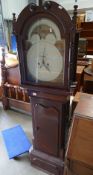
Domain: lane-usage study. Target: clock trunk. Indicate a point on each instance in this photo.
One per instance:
(50, 117)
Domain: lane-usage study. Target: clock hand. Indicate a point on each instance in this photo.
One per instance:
(43, 57)
(47, 66)
(44, 63)
(40, 65)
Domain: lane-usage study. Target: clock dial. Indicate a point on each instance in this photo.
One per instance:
(46, 62)
(45, 57)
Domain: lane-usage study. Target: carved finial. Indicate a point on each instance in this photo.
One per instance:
(75, 14)
(47, 5)
(14, 17)
(32, 7)
(40, 2)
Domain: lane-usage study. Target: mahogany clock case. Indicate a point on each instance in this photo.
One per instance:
(49, 94)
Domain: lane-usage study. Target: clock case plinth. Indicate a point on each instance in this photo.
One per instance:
(50, 104)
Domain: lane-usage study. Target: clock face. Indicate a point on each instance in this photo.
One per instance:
(45, 56)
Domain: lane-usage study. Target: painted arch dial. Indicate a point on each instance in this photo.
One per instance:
(45, 56)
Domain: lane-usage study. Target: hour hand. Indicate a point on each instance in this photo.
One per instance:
(40, 65)
(47, 66)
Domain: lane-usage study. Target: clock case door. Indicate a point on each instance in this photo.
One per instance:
(50, 119)
(49, 127)
(60, 17)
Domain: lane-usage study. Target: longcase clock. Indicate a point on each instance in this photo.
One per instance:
(45, 36)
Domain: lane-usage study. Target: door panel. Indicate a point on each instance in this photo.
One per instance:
(46, 129)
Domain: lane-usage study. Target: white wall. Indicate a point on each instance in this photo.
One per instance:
(16, 6)
(68, 4)
(12, 6)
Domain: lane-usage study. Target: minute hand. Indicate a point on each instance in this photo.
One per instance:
(47, 66)
(44, 62)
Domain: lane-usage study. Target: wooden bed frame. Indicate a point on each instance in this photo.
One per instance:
(14, 96)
